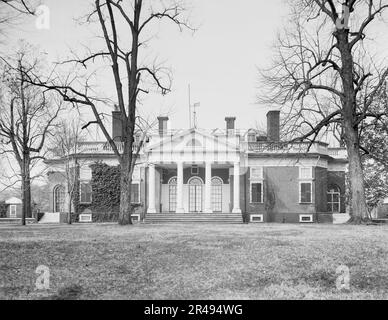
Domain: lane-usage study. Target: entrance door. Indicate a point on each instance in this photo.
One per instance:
(195, 195)
(59, 198)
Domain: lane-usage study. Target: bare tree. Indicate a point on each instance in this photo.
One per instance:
(20, 6)
(27, 114)
(12, 10)
(324, 78)
(131, 77)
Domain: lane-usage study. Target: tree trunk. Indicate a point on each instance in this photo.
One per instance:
(26, 192)
(358, 207)
(125, 192)
(69, 208)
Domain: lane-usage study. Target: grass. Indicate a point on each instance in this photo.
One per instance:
(255, 261)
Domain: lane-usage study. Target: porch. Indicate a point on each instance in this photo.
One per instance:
(194, 188)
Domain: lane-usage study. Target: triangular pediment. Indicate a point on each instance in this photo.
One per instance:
(194, 140)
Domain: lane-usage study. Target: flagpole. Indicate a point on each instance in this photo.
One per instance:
(189, 109)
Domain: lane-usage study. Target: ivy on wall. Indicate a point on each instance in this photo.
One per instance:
(106, 187)
(3, 209)
(105, 204)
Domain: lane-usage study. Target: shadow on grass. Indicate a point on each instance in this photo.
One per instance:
(72, 292)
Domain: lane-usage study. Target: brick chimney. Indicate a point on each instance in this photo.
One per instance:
(273, 125)
(117, 124)
(163, 125)
(230, 123)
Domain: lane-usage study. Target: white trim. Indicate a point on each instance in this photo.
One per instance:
(261, 216)
(10, 211)
(136, 215)
(310, 216)
(196, 177)
(85, 217)
(172, 178)
(288, 162)
(261, 173)
(300, 191)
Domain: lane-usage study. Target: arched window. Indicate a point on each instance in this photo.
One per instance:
(334, 199)
(172, 194)
(217, 194)
(195, 194)
(59, 198)
(251, 135)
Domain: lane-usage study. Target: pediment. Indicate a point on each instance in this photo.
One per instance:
(196, 141)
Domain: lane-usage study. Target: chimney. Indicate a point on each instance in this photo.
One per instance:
(230, 123)
(162, 125)
(117, 124)
(273, 125)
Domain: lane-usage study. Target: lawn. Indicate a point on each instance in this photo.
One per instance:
(255, 261)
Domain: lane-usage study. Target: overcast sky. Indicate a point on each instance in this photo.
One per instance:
(219, 61)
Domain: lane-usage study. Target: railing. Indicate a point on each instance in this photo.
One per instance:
(338, 153)
(295, 147)
(286, 147)
(101, 147)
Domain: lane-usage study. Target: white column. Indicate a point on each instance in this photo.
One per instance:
(236, 188)
(208, 188)
(179, 188)
(151, 188)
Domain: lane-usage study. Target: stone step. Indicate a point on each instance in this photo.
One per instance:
(193, 218)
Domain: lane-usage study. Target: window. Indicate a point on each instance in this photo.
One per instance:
(306, 218)
(305, 185)
(194, 170)
(333, 199)
(256, 218)
(135, 193)
(85, 192)
(256, 192)
(172, 194)
(305, 192)
(12, 211)
(217, 194)
(251, 136)
(256, 184)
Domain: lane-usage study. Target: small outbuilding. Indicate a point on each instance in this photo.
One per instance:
(14, 208)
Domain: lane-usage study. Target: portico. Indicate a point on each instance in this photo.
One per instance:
(191, 173)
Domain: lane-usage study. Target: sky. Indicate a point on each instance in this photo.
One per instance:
(219, 61)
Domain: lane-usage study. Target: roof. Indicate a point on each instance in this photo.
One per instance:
(13, 200)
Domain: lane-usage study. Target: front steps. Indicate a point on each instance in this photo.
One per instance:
(231, 218)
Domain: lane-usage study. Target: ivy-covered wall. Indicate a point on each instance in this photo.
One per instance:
(3, 209)
(105, 204)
